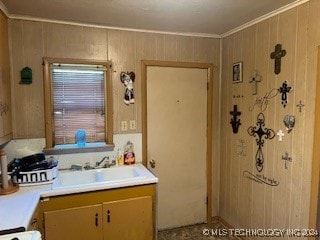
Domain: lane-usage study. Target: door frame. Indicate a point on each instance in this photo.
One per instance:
(314, 195)
(153, 63)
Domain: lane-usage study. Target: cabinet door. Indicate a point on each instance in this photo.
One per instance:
(81, 223)
(129, 219)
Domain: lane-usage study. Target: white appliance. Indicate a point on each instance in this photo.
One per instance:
(30, 235)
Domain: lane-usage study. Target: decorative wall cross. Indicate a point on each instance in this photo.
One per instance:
(300, 105)
(260, 132)
(277, 55)
(254, 79)
(235, 123)
(286, 158)
(284, 89)
(280, 134)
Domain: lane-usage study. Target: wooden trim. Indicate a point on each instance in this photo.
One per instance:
(48, 97)
(316, 158)
(47, 103)
(225, 224)
(209, 67)
(109, 104)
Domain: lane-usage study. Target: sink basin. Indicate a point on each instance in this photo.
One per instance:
(97, 176)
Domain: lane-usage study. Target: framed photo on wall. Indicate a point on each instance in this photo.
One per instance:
(237, 72)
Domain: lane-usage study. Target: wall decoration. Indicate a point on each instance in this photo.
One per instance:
(237, 72)
(289, 122)
(241, 147)
(280, 134)
(261, 178)
(283, 90)
(300, 105)
(127, 78)
(238, 96)
(254, 79)
(277, 55)
(286, 159)
(262, 102)
(4, 108)
(235, 123)
(261, 133)
(26, 76)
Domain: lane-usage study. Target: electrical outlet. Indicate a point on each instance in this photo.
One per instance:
(124, 125)
(132, 124)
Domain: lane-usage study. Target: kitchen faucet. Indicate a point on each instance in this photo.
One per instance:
(101, 161)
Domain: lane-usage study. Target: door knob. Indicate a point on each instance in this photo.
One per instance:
(152, 163)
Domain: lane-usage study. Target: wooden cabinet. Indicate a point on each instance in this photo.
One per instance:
(81, 223)
(117, 214)
(5, 90)
(129, 219)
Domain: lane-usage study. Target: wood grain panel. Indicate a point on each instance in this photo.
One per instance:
(246, 161)
(19, 103)
(5, 94)
(284, 206)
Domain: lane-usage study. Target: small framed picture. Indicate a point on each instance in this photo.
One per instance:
(237, 72)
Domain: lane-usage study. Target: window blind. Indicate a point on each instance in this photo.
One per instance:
(78, 103)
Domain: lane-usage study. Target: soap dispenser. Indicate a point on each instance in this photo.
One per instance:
(120, 157)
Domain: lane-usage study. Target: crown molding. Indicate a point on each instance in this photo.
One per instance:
(190, 34)
(264, 17)
(4, 9)
(46, 20)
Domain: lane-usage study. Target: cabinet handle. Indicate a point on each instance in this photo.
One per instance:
(97, 220)
(108, 216)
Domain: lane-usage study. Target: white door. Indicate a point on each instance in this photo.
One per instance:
(176, 142)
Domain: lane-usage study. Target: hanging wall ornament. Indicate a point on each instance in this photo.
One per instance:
(280, 135)
(254, 79)
(277, 55)
(127, 78)
(241, 147)
(300, 105)
(235, 123)
(286, 159)
(289, 122)
(283, 90)
(260, 132)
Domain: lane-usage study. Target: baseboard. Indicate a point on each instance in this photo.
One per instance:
(225, 224)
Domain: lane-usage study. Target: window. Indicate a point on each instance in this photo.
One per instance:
(77, 96)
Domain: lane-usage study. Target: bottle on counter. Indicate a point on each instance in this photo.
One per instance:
(120, 157)
(129, 156)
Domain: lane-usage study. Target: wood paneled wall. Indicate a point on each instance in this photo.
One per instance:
(30, 41)
(243, 202)
(5, 93)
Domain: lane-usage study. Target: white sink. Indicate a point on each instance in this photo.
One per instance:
(76, 179)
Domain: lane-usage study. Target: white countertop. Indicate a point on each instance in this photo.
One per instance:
(16, 209)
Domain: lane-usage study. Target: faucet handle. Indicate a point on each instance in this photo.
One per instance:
(87, 166)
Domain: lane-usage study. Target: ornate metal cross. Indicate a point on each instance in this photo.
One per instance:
(261, 133)
(254, 79)
(284, 89)
(286, 158)
(300, 105)
(235, 123)
(277, 55)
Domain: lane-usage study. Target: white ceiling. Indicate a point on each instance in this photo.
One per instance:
(199, 17)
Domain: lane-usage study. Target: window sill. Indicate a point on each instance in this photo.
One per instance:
(73, 148)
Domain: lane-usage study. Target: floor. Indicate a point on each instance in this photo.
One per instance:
(207, 231)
